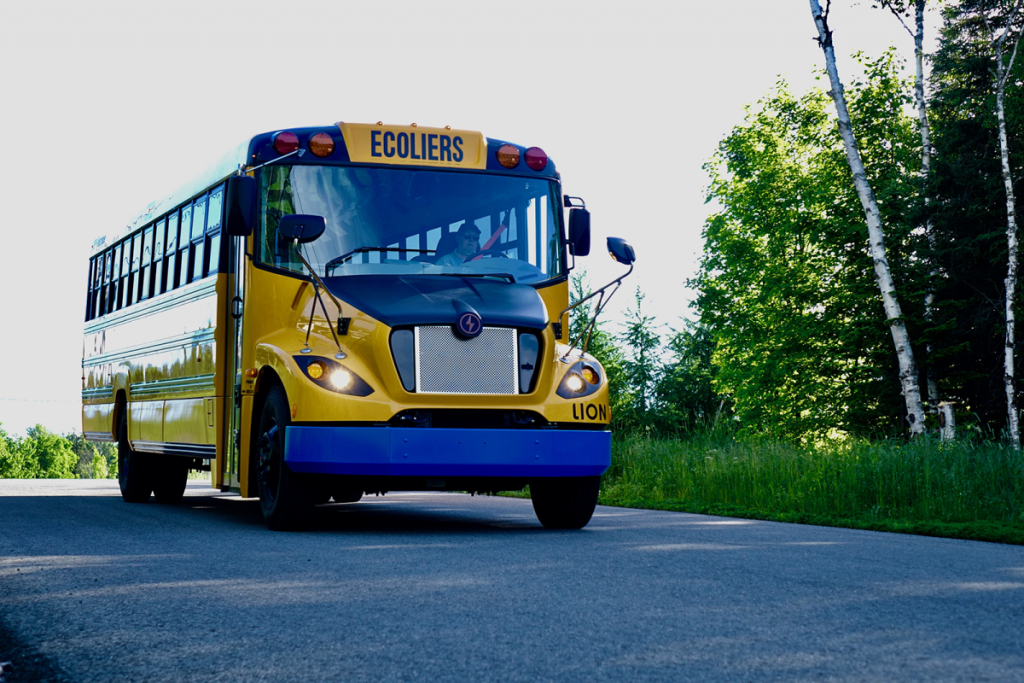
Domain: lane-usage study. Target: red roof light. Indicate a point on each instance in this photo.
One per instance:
(536, 159)
(286, 142)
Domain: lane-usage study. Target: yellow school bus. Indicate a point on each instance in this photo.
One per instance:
(349, 309)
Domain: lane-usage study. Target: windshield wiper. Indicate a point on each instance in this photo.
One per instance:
(365, 250)
(510, 277)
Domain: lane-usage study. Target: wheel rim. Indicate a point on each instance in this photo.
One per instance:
(267, 472)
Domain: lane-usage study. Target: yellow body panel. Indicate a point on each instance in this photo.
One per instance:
(279, 332)
(162, 357)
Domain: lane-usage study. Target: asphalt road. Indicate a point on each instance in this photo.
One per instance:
(445, 587)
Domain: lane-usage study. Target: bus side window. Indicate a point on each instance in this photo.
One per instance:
(115, 278)
(133, 277)
(158, 256)
(214, 214)
(104, 293)
(183, 243)
(197, 237)
(89, 289)
(144, 266)
(170, 248)
(123, 297)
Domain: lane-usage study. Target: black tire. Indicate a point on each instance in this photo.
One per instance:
(134, 471)
(170, 478)
(286, 497)
(565, 502)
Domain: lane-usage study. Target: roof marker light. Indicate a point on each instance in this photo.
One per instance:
(286, 142)
(508, 156)
(536, 159)
(321, 145)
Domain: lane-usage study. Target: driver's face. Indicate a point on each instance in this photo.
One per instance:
(469, 243)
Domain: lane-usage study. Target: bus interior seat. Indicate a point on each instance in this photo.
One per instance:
(445, 245)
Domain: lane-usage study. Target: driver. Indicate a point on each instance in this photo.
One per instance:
(467, 243)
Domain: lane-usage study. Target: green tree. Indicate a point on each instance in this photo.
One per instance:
(51, 453)
(684, 395)
(786, 285)
(13, 464)
(640, 366)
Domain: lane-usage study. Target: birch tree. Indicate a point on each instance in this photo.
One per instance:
(1003, 31)
(901, 9)
(876, 236)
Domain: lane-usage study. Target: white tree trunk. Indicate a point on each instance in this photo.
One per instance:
(1002, 73)
(926, 164)
(1011, 268)
(947, 423)
(876, 238)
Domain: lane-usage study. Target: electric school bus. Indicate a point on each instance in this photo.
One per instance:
(351, 309)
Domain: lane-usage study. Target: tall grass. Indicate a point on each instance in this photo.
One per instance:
(921, 480)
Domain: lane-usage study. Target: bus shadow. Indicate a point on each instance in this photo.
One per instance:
(375, 515)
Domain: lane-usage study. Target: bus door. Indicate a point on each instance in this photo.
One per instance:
(233, 364)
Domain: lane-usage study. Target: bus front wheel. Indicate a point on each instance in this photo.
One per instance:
(286, 497)
(564, 502)
(134, 471)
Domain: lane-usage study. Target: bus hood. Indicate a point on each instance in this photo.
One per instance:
(431, 299)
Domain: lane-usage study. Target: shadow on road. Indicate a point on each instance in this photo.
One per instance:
(394, 513)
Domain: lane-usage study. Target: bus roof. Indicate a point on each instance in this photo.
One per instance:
(354, 144)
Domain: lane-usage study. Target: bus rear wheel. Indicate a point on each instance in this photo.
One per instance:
(286, 497)
(564, 502)
(170, 479)
(134, 472)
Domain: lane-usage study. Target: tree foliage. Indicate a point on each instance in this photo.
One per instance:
(786, 285)
(41, 454)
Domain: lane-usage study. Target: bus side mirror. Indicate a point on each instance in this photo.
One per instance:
(302, 227)
(621, 251)
(241, 208)
(579, 231)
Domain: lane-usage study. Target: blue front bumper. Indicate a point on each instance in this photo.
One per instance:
(403, 452)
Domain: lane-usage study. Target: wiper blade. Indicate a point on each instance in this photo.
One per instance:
(510, 277)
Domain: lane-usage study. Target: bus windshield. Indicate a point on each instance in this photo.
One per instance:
(398, 221)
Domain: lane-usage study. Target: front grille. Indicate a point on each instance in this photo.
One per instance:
(448, 364)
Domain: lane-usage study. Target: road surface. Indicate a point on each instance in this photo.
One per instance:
(448, 587)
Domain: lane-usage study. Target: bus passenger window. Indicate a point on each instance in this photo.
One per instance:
(158, 257)
(198, 229)
(144, 267)
(171, 249)
(133, 277)
(89, 289)
(213, 232)
(183, 243)
(105, 295)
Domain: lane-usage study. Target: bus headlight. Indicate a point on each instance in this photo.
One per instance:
(341, 379)
(333, 376)
(582, 379)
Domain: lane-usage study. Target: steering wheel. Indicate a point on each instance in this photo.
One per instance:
(490, 253)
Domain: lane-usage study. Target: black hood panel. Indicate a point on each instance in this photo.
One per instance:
(430, 299)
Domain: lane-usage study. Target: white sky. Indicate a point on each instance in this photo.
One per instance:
(107, 105)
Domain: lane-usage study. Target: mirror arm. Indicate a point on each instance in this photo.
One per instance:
(299, 152)
(602, 302)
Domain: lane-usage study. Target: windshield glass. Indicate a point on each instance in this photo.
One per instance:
(382, 221)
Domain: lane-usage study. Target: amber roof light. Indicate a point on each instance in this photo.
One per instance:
(321, 145)
(508, 156)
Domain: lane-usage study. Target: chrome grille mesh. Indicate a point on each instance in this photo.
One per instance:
(448, 364)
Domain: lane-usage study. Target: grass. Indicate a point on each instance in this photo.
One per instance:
(962, 489)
